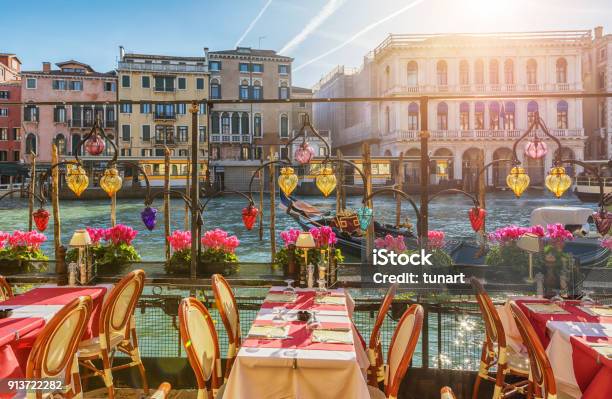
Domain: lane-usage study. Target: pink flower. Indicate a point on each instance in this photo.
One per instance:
(220, 240)
(3, 238)
(180, 240)
(121, 234)
(390, 243)
(537, 230)
(323, 236)
(97, 234)
(505, 235)
(31, 239)
(435, 239)
(556, 232)
(290, 236)
(606, 243)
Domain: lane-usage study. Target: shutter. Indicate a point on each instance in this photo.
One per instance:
(219, 96)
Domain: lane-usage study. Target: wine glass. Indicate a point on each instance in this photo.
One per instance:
(313, 322)
(322, 290)
(277, 311)
(289, 288)
(586, 297)
(557, 298)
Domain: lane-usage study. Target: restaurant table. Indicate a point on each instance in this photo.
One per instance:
(298, 366)
(578, 343)
(30, 313)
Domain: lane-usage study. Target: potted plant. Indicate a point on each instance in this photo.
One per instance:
(112, 250)
(20, 252)
(509, 262)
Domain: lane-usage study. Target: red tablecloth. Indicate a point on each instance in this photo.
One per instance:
(17, 333)
(592, 370)
(305, 301)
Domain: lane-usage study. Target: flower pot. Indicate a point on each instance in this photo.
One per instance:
(18, 266)
(112, 269)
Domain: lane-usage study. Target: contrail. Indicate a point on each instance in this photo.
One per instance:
(253, 22)
(314, 23)
(360, 33)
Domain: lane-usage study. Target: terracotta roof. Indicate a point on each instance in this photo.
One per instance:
(61, 64)
(75, 74)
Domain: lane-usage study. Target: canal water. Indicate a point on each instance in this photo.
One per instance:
(447, 213)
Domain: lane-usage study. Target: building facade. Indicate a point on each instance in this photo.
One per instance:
(64, 125)
(10, 118)
(517, 64)
(598, 111)
(300, 111)
(146, 129)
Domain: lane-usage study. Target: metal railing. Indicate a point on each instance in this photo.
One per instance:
(509, 134)
(138, 66)
(401, 89)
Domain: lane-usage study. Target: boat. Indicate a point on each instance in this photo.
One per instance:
(587, 186)
(350, 238)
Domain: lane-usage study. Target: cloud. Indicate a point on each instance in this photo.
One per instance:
(253, 22)
(359, 34)
(328, 9)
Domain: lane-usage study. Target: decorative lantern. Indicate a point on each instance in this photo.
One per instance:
(111, 181)
(326, 181)
(249, 215)
(287, 181)
(148, 216)
(517, 180)
(536, 149)
(95, 144)
(304, 153)
(607, 201)
(477, 217)
(76, 178)
(558, 181)
(603, 221)
(41, 218)
(364, 215)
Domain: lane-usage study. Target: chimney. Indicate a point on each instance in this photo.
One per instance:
(598, 32)
(46, 66)
(121, 53)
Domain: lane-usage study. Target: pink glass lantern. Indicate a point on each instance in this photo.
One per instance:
(304, 153)
(536, 149)
(95, 145)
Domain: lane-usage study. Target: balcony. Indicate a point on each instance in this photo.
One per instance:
(399, 90)
(231, 138)
(158, 89)
(164, 116)
(168, 141)
(473, 134)
(141, 66)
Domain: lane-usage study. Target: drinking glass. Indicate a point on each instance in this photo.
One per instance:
(278, 313)
(586, 297)
(557, 298)
(289, 288)
(313, 322)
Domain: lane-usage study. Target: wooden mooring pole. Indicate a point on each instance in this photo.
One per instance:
(57, 231)
(167, 201)
(261, 201)
(272, 207)
(31, 190)
(399, 185)
(367, 171)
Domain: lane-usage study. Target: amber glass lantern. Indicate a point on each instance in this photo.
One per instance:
(76, 178)
(111, 182)
(288, 180)
(326, 181)
(558, 181)
(517, 180)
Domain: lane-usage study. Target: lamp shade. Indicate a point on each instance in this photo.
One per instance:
(305, 240)
(80, 238)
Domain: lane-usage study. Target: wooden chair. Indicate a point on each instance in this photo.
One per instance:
(400, 354)
(495, 352)
(228, 309)
(117, 333)
(199, 338)
(375, 354)
(447, 393)
(53, 354)
(162, 391)
(6, 291)
(541, 377)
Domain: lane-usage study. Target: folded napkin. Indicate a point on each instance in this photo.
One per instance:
(335, 336)
(550, 308)
(282, 298)
(330, 300)
(269, 331)
(597, 310)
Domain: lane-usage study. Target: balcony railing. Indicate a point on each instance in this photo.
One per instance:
(230, 138)
(473, 134)
(141, 66)
(481, 88)
(164, 116)
(164, 141)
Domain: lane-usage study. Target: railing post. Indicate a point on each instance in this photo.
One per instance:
(195, 190)
(424, 206)
(425, 338)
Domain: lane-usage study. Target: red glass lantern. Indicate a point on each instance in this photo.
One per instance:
(41, 218)
(603, 221)
(95, 145)
(249, 215)
(477, 218)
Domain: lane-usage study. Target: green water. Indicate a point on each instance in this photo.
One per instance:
(447, 213)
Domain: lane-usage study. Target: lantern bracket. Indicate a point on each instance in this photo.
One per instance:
(96, 129)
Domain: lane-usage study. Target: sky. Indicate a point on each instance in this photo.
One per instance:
(318, 34)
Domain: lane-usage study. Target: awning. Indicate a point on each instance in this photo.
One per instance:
(566, 215)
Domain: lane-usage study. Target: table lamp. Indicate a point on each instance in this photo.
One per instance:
(81, 240)
(531, 244)
(305, 241)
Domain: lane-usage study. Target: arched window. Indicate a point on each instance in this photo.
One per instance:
(562, 109)
(464, 73)
(509, 115)
(225, 123)
(442, 73)
(413, 116)
(257, 91)
(532, 108)
(75, 141)
(284, 126)
(442, 116)
(235, 123)
(244, 123)
(214, 123)
(257, 125)
(509, 72)
(479, 72)
(283, 91)
(31, 144)
(412, 74)
(494, 116)
(464, 116)
(60, 142)
(244, 89)
(532, 72)
(479, 109)
(387, 120)
(561, 70)
(493, 72)
(215, 89)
